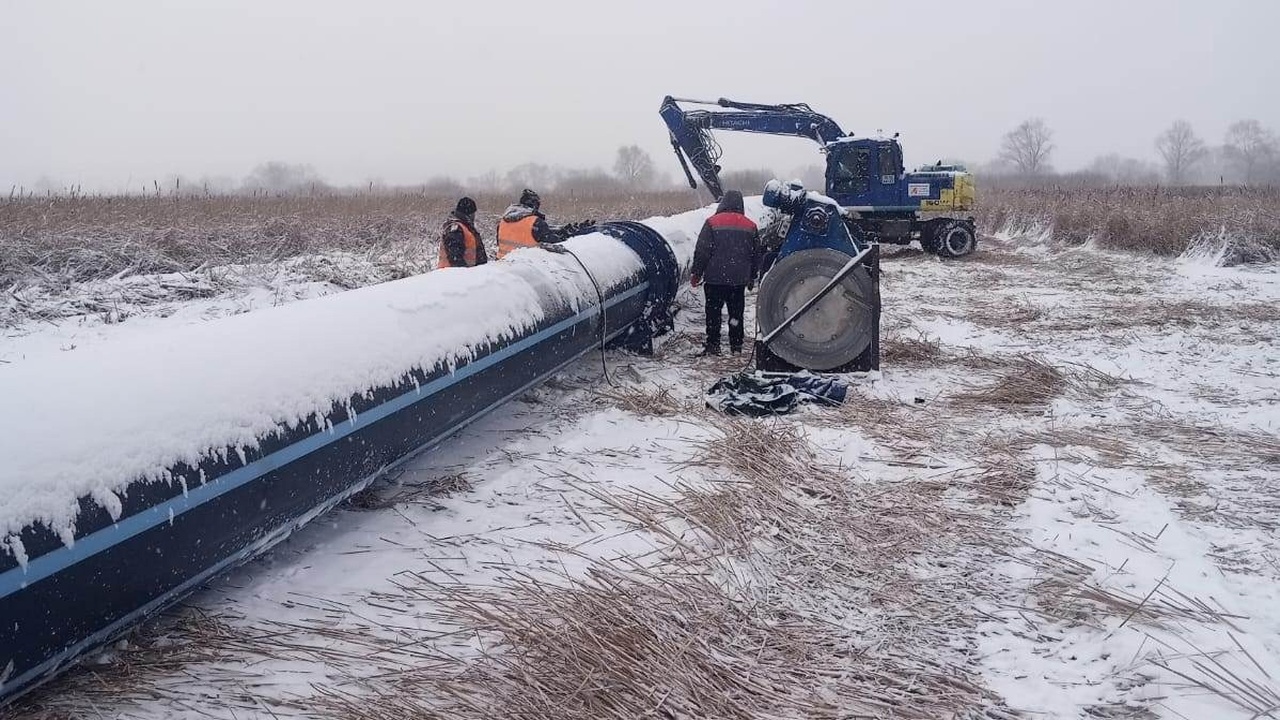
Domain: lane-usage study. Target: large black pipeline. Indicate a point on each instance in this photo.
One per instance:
(66, 599)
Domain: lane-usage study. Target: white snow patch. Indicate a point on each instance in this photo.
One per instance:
(1100, 517)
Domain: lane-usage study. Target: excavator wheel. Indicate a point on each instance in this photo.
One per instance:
(953, 239)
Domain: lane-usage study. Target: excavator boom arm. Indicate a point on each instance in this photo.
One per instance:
(691, 137)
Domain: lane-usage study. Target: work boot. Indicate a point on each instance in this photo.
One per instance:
(709, 350)
(735, 349)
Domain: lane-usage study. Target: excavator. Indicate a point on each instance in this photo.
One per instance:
(878, 200)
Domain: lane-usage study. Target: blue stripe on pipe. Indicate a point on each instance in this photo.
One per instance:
(276, 536)
(17, 578)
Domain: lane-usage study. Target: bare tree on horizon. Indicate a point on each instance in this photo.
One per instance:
(531, 175)
(634, 167)
(1181, 150)
(282, 177)
(1249, 147)
(1028, 147)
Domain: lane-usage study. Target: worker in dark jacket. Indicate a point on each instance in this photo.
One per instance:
(726, 260)
(460, 244)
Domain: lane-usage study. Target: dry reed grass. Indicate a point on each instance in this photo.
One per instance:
(756, 608)
(900, 426)
(897, 349)
(168, 644)
(389, 494)
(999, 312)
(1107, 447)
(1113, 316)
(1002, 479)
(1003, 258)
(115, 299)
(112, 257)
(1212, 444)
(1210, 478)
(1162, 221)
(1030, 382)
(1069, 591)
(1208, 672)
(647, 400)
(75, 239)
(1065, 590)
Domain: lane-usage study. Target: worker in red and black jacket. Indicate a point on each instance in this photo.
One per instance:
(460, 244)
(726, 260)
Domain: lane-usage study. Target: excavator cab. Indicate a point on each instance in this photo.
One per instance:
(865, 173)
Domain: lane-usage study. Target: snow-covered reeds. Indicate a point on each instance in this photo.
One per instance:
(1031, 381)
(902, 350)
(1215, 443)
(773, 595)
(1237, 225)
(652, 401)
(45, 298)
(1066, 589)
(63, 255)
(1209, 672)
(1115, 317)
(389, 494)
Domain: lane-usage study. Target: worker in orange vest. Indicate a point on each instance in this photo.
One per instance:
(523, 225)
(460, 244)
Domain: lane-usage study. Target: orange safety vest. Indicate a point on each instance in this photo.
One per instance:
(515, 234)
(470, 245)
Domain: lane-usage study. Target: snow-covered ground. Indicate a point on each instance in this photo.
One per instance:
(989, 527)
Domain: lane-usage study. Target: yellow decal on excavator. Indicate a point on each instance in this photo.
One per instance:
(966, 192)
(961, 197)
(945, 201)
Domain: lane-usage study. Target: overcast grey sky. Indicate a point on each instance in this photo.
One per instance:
(106, 93)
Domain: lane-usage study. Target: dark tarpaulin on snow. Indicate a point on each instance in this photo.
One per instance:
(758, 393)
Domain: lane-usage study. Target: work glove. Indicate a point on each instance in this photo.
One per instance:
(552, 247)
(695, 280)
(578, 228)
(751, 286)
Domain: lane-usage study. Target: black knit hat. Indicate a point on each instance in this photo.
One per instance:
(466, 206)
(530, 199)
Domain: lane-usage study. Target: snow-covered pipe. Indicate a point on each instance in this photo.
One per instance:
(133, 471)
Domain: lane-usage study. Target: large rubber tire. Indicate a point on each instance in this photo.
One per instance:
(954, 239)
(832, 333)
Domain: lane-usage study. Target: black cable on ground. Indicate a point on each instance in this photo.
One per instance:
(755, 338)
(604, 326)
